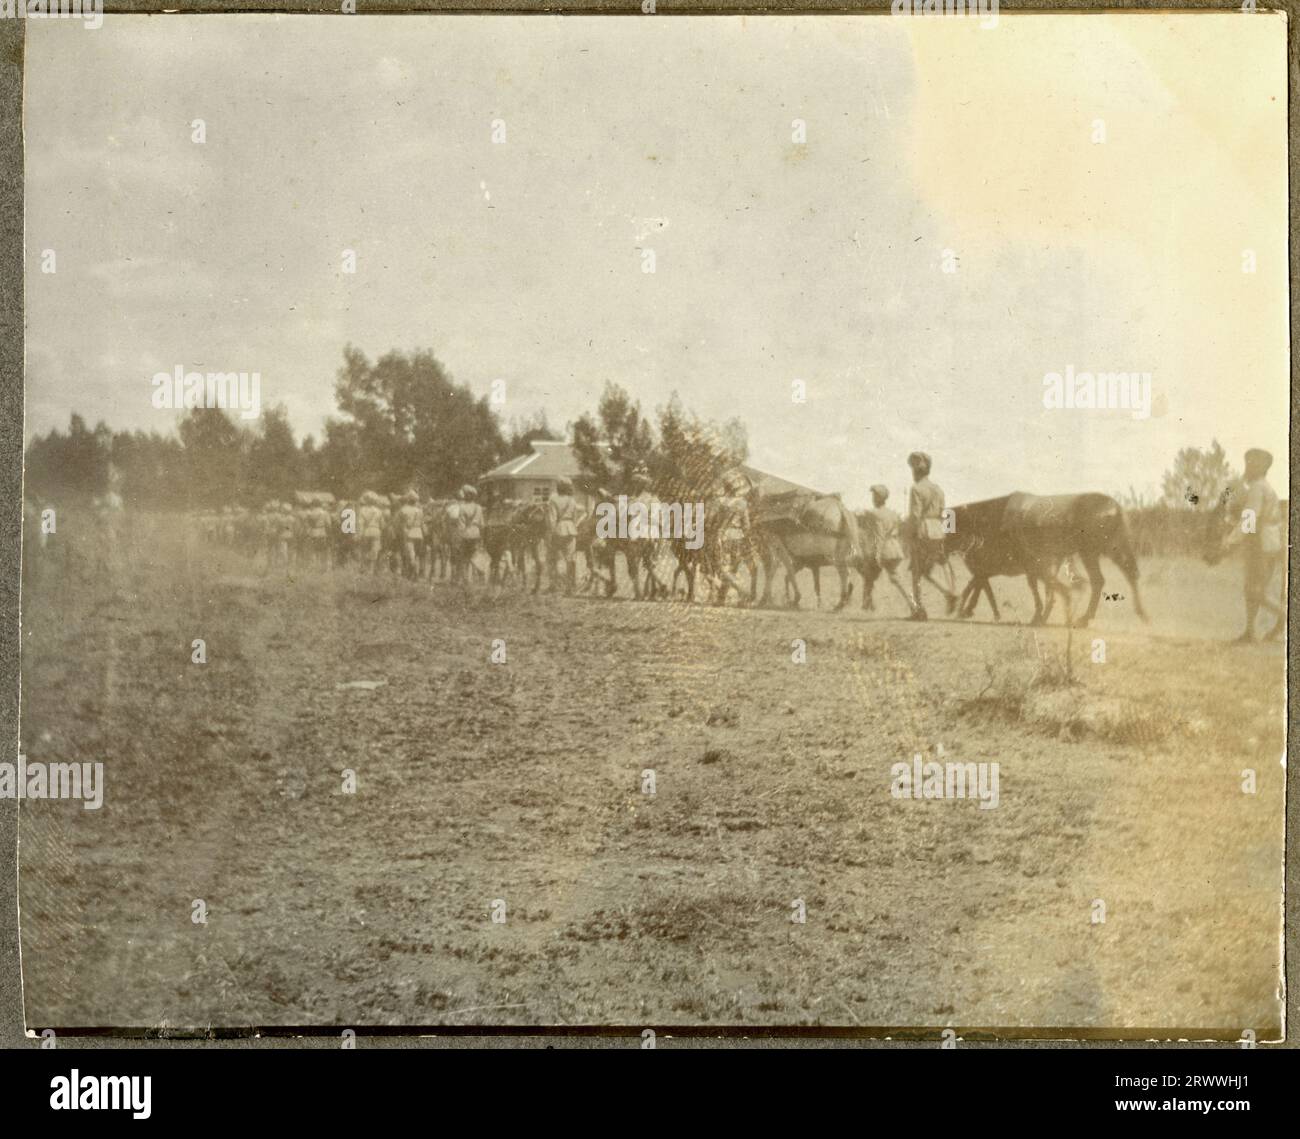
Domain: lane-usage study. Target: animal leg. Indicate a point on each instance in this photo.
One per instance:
(970, 597)
(846, 586)
(1092, 565)
(1128, 567)
(988, 592)
(791, 585)
(1040, 614)
(767, 581)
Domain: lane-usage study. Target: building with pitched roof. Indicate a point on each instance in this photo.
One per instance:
(533, 477)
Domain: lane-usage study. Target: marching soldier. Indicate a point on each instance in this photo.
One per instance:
(391, 551)
(410, 521)
(646, 555)
(733, 536)
(562, 535)
(469, 529)
(282, 523)
(316, 523)
(925, 522)
(370, 527)
(884, 550)
(344, 539)
(432, 510)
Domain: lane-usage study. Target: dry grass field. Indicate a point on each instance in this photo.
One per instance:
(522, 782)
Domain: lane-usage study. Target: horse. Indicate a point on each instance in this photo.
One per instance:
(803, 530)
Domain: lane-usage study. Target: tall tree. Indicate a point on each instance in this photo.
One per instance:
(276, 467)
(215, 452)
(618, 440)
(146, 468)
(522, 434)
(346, 467)
(695, 454)
(74, 465)
(1197, 477)
(424, 429)
(152, 470)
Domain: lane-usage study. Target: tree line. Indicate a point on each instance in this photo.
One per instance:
(402, 422)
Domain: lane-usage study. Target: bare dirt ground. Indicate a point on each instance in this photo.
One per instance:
(522, 782)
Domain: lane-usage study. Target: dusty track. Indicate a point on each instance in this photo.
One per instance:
(521, 781)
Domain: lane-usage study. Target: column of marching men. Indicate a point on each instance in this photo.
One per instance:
(435, 540)
(1034, 537)
(457, 540)
(429, 539)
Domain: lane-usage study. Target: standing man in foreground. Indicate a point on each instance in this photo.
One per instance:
(1258, 529)
(882, 548)
(925, 524)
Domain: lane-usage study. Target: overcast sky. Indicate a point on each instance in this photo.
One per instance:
(774, 260)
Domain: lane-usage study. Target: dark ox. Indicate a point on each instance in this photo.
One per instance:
(518, 529)
(1031, 535)
(978, 538)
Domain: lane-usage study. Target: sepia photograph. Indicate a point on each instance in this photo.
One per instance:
(559, 522)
